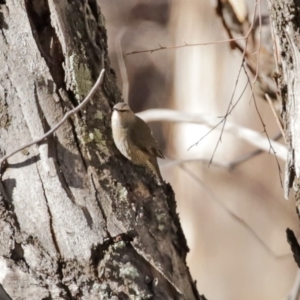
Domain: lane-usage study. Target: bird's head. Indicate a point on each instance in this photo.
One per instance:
(122, 114)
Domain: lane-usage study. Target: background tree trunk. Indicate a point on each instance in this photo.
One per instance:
(284, 15)
(77, 220)
(285, 21)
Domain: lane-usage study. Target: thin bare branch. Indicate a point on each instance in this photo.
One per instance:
(175, 162)
(250, 155)
(229, 108)
(275, 115)
(271, 148)
(186, 45)
(53, 129)
(199, 44)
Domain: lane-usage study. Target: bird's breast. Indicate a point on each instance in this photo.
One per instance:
(120, 136)
(126, 147)
(116, 120)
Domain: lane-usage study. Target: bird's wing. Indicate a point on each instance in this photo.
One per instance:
(141, 136)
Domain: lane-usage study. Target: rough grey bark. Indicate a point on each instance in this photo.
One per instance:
(285, 16)
(77, 221)
(285, 21)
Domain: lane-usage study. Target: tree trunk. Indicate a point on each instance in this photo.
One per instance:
(285, 16)
(77, 220)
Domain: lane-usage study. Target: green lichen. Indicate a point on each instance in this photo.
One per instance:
(100, 141)
(161, 227)
(119, 245)
(80, 76)
(98, 115)
(129, 271)
(5, 118)
(98, 137)
(122, 193)
(91, 136)
(25, 152)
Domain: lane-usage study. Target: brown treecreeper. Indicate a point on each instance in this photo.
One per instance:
(134, 138)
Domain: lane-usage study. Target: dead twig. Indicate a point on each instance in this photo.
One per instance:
(200, 44)
(276, 116)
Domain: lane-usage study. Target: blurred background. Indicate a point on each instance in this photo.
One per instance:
(234, 218)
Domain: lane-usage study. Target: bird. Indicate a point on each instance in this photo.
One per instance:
(134, 139)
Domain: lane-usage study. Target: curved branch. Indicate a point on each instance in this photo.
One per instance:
(250, 136)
